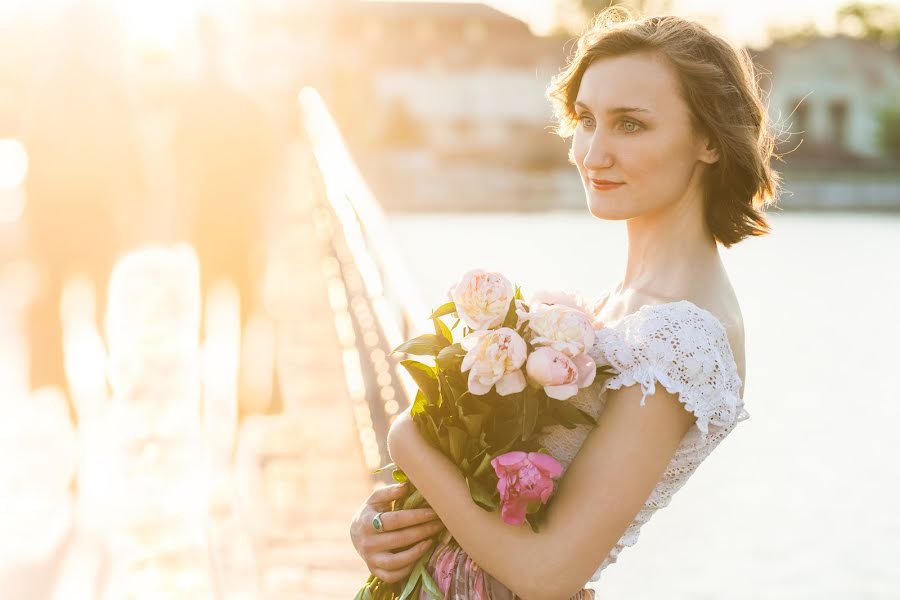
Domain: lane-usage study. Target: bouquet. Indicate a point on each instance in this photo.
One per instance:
(483, 400)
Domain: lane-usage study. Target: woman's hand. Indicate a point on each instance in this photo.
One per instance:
(391, 553)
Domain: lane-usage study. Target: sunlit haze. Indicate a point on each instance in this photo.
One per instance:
(740, 22)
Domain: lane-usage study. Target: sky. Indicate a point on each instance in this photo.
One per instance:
(742, 22)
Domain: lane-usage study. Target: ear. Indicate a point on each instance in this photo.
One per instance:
(709, 152)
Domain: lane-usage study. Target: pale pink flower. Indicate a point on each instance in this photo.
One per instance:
(494, 357)
(560, 297)
(524, 478)
(562, 328)
(482, 299)
(560, 376)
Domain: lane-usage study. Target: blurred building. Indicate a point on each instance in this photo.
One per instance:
(459, 77)
(830, 91)
(452, 77)
(834, 101)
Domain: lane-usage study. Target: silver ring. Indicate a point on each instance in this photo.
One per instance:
(377, 524)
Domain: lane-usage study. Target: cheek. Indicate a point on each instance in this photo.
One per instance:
(644, 155)
(578, 150)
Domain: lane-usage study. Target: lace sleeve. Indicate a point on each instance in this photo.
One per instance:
(686, 349)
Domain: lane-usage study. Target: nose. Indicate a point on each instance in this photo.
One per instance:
(599, 156)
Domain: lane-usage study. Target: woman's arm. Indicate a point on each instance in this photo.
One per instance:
(603, 489)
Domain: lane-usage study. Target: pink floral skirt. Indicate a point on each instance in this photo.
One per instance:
(460, 578)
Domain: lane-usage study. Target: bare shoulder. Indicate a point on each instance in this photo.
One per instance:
(718, 298)
(724, 305)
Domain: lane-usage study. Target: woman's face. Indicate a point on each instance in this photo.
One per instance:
(634, 129)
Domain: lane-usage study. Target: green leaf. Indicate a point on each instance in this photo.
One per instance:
(480, 494)
(450, 358)
(474, 404)
(531, 412)
(458, 439)
(367, 594)
(424, 377)
(431, 430)
(511, 316)
(441, 329)
(360, 594)
(444, 442)
(414, 577)
(484, 466)
(507, 447)
(418, 406)
(444, 309)
(473, 424)
(431, 587)
(518, 295)
(387, 466)
(427, 344)
(414, 500)
(446, 390)
(571, 414)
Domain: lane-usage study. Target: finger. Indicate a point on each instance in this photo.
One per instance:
(395, 561)
(392, 576)
(392, 540)
(388, 493)
(399, 519)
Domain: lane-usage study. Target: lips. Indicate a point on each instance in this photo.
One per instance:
(605, 184)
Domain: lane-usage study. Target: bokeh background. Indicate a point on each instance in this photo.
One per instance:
(203, 271)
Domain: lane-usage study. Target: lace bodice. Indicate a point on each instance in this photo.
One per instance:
(683, 347)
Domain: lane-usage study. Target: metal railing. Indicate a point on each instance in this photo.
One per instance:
(369, 284)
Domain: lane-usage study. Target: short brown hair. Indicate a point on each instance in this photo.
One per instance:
(719, 84)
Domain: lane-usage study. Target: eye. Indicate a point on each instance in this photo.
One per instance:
(630, 126)
(586, 120)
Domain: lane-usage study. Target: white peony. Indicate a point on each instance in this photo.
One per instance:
(566, 329)
(482, 299)
(494, 357)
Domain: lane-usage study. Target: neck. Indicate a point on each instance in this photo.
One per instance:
(670, 251)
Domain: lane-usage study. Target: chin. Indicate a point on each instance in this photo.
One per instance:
(606, 210)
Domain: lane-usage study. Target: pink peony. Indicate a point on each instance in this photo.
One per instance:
(559, 375)
(525, 478)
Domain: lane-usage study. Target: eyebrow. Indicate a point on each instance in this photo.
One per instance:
(617, 110)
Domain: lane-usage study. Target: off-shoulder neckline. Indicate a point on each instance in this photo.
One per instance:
(645, 307)
(687, 303)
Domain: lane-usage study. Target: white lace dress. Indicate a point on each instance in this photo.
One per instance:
(685, 348)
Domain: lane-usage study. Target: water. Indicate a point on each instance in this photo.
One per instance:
(801, 501)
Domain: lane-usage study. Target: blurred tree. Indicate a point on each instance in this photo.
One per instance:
(873, 21)
(787, 33)
(889, 128)
(877, 22)
(573, 15)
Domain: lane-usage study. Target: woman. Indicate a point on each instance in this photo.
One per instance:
(670, 135)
